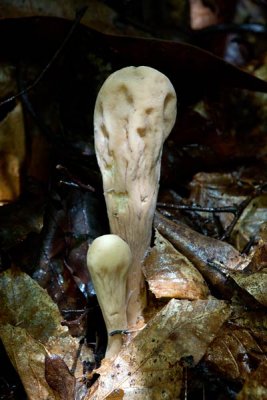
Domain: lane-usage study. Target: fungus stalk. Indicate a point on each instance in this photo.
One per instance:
(134, 113)
(108, 261)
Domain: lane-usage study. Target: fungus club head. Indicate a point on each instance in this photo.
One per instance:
(134, 113)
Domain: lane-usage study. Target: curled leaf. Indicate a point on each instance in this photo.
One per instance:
(198, 248)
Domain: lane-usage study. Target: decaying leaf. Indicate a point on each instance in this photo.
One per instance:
(216, 190)
(27, 356)
(255, 387)
(59, 377)
(241, 345)
(250, 221)
(24, 303)
(150, 366)
(259, 259)
(222, 190)
(32, 320)
(253, 279)
(12, 154)
(170, 274)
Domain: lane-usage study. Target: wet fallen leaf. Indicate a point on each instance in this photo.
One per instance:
(170, 274)
(186, 65)
(150, 366)
(98, 14)
(198, 248)
(239, 349)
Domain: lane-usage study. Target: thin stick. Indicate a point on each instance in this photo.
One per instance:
(229, 209)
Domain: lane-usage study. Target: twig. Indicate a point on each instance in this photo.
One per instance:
(236, 210)
(74, 181)
(248, 245)
(227, 209)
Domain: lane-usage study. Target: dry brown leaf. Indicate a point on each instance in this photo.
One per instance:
(12, 154)
(170, 274)
(32, 319)
(150, 366)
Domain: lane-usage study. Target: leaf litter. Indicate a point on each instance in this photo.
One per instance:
(150, 366)
(31, 330)
(185, 345)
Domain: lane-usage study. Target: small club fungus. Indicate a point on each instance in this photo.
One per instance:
(108, 261)
(134, 113)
